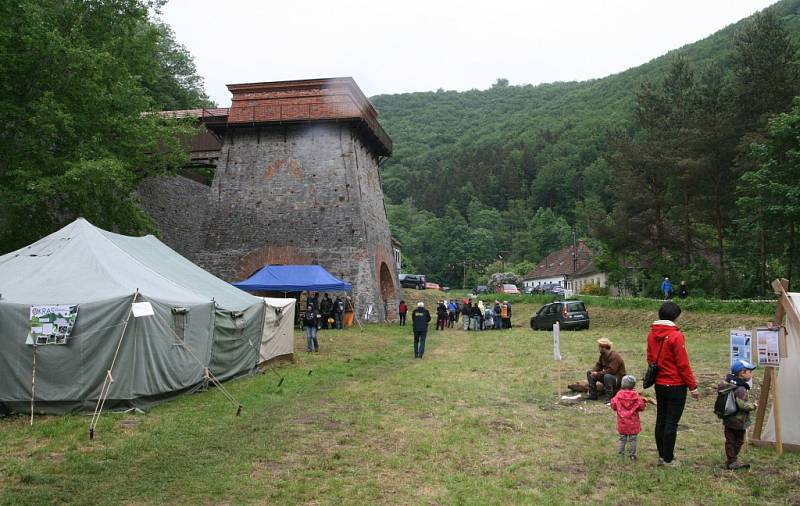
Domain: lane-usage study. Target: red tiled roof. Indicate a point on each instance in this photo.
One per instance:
(559, 263)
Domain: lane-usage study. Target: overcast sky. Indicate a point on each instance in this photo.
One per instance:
(411, 45)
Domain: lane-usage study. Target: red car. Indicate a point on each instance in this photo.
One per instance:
(507, 288)
(432, 286)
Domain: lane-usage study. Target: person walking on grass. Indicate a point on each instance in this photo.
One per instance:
(628, 403)
(310, 319)
(666, 288)
(402, 309)
(736, 424)
(666, 347)
(420, 318)
(441, 315)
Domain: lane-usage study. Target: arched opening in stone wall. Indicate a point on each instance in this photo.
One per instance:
(387, 286)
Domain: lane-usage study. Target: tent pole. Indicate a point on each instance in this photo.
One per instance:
(33, 381)
(109, 379)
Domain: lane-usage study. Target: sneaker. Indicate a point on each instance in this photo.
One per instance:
(592, 397)
(672, 463)
(737, 465)
(633, 457)
(660, 462)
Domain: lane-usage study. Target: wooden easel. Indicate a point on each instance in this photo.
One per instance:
(770, 383)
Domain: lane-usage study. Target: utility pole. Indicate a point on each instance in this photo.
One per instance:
(574, 250)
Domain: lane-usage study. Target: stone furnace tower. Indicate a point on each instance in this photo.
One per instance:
(295, 182)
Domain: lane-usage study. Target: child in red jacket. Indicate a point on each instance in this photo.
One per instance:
(627, 403)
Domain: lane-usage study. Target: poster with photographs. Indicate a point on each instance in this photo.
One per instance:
(741, 345)
(51, 324)
(768, 345)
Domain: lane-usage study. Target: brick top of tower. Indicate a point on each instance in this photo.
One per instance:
(307, 100)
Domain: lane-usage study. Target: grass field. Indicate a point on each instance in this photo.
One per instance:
(474, 422)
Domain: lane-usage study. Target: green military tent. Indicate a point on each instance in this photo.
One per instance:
(67, 313)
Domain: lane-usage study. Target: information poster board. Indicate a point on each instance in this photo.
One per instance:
(51, 324)
(741, 345)
(768, 346)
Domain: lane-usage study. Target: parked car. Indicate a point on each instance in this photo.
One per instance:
(432, 286)
(412, 281)
(445, 289)
(507, 288)
(548, 288)
(570, 314)
(480, 289)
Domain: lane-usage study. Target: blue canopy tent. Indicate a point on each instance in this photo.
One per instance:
(293, 278)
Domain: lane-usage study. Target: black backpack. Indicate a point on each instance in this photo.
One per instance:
(725, 406)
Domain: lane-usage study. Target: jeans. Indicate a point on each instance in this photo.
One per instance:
(441, 321)
(311, 337)
(402, 318)
(476, 323)
(419, 343)
(466, 322)
(338, 320)
(610, 384)
(631, 440)
(497, 321)
(671, 401)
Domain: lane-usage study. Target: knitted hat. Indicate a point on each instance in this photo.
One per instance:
(628, 382)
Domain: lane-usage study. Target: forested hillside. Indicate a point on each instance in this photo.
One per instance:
(650, 165)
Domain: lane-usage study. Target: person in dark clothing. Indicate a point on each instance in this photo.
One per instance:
(326, 308)
(315, 303)
(466, 309)
(402, 309)
(441, 316)
(498, 319)
(310, 319)
(507, 322)
(338, 313)
(736, 425)
(683, 290)
(666, 346)
(420, 318)
(475, 314)
(609, 370)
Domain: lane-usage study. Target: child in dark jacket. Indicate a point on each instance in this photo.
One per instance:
(736, 425)
(628, 403)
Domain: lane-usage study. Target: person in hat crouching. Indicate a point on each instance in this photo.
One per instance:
(736, 425)
(608, 371)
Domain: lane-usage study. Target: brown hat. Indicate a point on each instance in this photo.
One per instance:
(604, 342)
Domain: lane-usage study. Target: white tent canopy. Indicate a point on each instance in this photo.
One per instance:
(788, 382)
(278, 337)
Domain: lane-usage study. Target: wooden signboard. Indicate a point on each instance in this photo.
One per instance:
(769, 351)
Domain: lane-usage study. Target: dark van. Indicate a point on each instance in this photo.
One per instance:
(570, 314)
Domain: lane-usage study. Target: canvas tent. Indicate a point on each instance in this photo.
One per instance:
(198, 322)
(788, 380)
(278, 337)
(293, 278)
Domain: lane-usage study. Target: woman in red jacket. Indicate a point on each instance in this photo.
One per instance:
(666, 346)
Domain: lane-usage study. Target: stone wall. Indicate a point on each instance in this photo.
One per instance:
(302, 194)
(178, 205)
